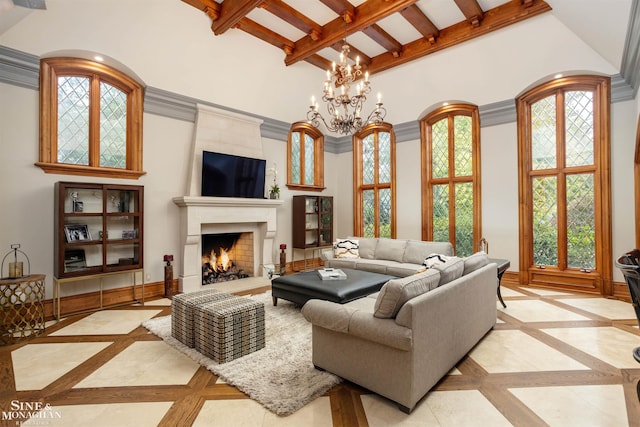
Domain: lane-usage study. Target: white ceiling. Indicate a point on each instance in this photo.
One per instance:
(596, 22)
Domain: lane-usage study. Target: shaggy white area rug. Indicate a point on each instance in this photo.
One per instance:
(281, 376)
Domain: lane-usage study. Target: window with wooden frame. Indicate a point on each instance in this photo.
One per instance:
(374, 160)
(450, 156)
(564, 184)
(305, 158)
(90, 119)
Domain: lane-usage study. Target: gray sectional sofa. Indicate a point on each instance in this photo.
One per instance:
(395, 257)
(401, 341)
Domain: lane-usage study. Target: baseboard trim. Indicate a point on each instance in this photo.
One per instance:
(81, 303)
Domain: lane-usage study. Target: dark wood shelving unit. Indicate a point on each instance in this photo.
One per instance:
(99, 231)
(312, 223)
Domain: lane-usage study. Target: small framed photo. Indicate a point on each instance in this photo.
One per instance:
(77, 232)
(74, 259)
(129, 234)
(78, 206)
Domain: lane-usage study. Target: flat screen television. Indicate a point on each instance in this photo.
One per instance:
(227, 175)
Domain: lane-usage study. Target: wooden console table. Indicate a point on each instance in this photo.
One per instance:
(58, 281)
(21, 307)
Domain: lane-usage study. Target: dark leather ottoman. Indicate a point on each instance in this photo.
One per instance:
(301, 287)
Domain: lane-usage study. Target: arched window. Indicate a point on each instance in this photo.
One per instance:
(564, 184)
(90, 119)
(374, 159)
(305, 154)
(450, 153)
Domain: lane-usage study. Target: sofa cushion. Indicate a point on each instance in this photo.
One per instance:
(390, 249)
(372, 265)
(417, 250)
(474, 262)
(341, 263)
(346, 248)
(396, 292)
(450, 270)
(403, 269)
(367, 248)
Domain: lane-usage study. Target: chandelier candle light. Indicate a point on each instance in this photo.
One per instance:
(343, 120)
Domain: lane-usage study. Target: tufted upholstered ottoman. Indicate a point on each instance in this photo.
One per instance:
(229, 328)
(183, 308)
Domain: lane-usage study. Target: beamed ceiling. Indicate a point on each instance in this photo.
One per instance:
(383, 33)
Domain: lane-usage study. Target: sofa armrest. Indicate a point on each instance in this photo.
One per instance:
(382, 331)
(328, 315)
(359, 323)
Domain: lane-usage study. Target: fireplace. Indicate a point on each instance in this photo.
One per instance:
(226, 256)
(232, 133)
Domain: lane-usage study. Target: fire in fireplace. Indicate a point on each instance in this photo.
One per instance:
(226, 256)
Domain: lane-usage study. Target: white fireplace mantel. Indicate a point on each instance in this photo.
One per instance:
(202, 215)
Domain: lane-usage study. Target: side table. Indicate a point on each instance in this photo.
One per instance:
(21, 308)
(503, 264)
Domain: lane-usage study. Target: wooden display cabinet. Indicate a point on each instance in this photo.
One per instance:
(312, 221)
(98, 228)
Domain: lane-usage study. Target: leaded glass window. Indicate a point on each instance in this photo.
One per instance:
(450, 153)
(565, 191)
(568, 223)
(73, 120)
(90, 119)
(305, 148)
(113, 127)
(374, 211)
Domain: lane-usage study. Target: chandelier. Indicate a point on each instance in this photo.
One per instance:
(344, 109)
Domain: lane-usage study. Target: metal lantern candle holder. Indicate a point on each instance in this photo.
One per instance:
(15, 267)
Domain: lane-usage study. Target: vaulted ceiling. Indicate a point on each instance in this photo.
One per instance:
(382, 33)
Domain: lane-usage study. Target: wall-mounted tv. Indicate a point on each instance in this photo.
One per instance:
(227, 175)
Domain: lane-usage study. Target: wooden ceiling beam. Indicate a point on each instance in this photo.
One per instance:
(421, 22)
(319, 62)
(293, 17)
(494, 19)
(203, 5)
(340, 7)
(471, 10)
(384, 39)
(231, 12)
(365, 15)
(265, 34)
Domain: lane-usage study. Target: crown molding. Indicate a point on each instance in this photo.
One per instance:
(630, 66)
(19, 68)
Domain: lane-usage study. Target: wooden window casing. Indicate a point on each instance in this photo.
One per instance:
(304, 128)
(50, 70)
(449, 112)
(360, 187)
(561, 276)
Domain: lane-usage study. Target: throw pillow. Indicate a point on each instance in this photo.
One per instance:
(474, 262)
(435, 259)
(346, 248)
(396, 292)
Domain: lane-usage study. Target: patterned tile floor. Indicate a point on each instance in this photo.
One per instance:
(553, 358)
